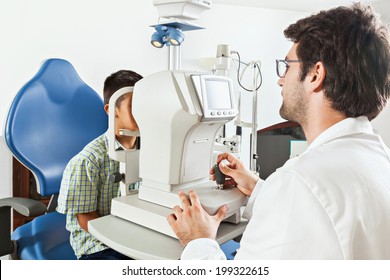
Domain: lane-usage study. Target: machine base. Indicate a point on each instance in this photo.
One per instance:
(154, 216)
(142, 243)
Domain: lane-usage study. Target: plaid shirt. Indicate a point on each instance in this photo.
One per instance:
(86, 187)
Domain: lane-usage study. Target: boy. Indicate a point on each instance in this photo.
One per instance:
(86, 190)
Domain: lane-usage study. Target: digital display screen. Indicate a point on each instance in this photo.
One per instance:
(218, 95)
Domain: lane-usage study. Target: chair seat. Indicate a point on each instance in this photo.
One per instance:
(230, 249)
(35, 241)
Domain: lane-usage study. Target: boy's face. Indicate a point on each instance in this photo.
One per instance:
(124, 116)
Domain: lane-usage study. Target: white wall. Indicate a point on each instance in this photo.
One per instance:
(383, 7)
(100, 37)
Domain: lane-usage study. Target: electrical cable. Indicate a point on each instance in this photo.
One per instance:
(238, 72)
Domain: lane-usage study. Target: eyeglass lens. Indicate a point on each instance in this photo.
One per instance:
(281, 68)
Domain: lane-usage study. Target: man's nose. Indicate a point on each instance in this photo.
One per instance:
(280, 82)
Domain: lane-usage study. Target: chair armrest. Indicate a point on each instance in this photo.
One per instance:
(25, 206)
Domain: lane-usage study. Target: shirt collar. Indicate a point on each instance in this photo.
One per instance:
(343, 128)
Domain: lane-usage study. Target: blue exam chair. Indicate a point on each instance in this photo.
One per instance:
(50, 120)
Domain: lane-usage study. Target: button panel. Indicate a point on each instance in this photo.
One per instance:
(225, 113)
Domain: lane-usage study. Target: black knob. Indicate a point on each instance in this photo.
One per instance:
(219, 176)
(116, 177)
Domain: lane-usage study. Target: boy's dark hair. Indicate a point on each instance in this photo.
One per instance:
(354, 46)
(117, 80)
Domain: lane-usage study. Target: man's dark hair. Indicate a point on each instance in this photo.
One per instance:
(354, 46)
(117, 80)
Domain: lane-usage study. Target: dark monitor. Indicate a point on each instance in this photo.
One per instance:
(273, 146)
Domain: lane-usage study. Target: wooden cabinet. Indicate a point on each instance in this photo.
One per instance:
(273, 145)
(24, 185)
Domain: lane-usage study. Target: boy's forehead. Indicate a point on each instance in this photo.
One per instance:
(127, 95)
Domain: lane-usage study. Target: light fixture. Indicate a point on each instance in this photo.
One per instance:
(157, 40)
(176, 36)
(167, 35)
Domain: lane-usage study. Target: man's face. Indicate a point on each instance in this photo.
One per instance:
(125, 119)
(294, 106)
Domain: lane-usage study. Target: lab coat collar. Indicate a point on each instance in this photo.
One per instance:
(343, 128)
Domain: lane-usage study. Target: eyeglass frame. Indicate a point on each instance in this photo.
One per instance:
(286, 62)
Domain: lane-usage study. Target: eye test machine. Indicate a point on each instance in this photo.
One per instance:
(179, 114)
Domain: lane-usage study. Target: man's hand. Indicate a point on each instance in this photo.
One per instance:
(192, 221)
(236, 173)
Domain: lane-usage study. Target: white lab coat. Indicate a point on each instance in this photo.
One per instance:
(331, 202)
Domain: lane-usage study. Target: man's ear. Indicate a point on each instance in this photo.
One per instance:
(106, 106)
(317, 76)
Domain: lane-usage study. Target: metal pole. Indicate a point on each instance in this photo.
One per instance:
(254, 123)
(174, 58)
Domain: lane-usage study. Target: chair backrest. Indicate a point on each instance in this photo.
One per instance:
(51, 119)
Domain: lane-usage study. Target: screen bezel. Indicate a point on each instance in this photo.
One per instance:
(212, 113)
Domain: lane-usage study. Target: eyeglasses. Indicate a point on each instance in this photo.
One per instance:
(282, 66)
